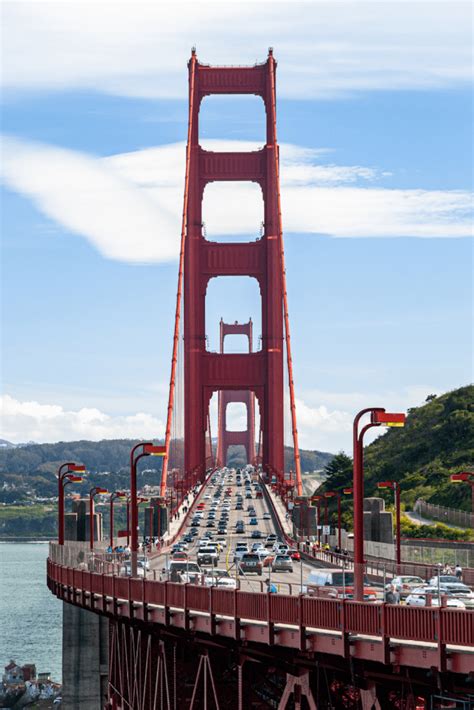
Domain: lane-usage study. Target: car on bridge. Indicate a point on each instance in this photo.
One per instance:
(176, 568)
(253, 521)
(208, 556)
(282, 563)
(250, 563)
(418, 597)
(220, 578)
(256, 535)
(405, 584)
(267, 516)
(336, 583)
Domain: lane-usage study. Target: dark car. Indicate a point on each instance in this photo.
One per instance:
(250, 562)
(256, 535)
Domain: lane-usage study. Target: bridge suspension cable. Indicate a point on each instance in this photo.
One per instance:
(176, 336)
(299, 484)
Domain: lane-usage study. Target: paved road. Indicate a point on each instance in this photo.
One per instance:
(286, 582)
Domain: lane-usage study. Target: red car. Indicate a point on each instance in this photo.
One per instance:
(294, 554)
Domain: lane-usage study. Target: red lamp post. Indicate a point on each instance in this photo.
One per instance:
(113, 497)
(139, 500)
(395, 486)
(333, 494)
(95, 491)
(138, 452)
(465, 477)
(318, 499)
(65, 476)
(378, 417)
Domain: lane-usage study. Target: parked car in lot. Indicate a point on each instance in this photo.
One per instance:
(282, 563)
(418, 598)
(250, 562)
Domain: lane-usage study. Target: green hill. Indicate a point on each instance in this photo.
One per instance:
(437, 440)
(30, 469)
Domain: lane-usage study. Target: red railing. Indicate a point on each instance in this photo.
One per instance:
(429, 624)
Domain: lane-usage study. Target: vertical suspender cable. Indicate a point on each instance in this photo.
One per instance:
(174, 359)
(299, 484)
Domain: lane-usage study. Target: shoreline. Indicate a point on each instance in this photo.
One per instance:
(32, 539)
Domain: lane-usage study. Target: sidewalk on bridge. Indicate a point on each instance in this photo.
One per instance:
(285, 520)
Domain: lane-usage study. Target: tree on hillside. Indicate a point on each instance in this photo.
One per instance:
(338, 472)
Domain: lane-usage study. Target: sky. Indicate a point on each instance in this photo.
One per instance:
(374, 123)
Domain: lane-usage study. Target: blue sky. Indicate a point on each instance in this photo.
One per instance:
(376, 176)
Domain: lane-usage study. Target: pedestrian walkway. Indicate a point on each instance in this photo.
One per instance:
(285, 520)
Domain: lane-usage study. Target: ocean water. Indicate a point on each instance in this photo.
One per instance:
(30, 616)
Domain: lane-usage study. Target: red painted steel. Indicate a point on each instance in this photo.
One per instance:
(457, 627)
(412, 623)
(433, 625)
(223, 602)
(294, 428)
(252, 606)
(174, 358)
(206, 373)
(284, 609)
(321, 613)
(362, 618)
(226, 438)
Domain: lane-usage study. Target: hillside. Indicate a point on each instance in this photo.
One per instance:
(437, 440)
(30, 469)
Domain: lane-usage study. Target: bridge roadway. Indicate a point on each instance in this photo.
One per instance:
(285, 582)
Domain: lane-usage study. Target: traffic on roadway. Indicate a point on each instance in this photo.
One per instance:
(230, 540)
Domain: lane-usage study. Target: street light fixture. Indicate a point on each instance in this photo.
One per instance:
(395, 486)
(95, 491)
(138, 452)
(140, 499)
(378, 417)
(333, 494)
(465, 477)
(114, 496)
(65, 476)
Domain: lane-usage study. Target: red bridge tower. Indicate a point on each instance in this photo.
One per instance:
(205, 372)
(226, 438)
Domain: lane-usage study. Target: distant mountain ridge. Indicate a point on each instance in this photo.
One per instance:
(32, 467)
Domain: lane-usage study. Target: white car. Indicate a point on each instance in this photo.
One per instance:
(418, 598)
(220, 578)
(267, 516)
(405, 584)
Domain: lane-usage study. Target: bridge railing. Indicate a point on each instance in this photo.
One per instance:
(432, 625)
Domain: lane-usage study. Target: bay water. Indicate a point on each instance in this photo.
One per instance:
(30, 616)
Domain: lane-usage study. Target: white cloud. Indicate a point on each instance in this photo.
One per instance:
(32, 421)
(324, 48)
(129, 205)
(325, 418)
(82, 194)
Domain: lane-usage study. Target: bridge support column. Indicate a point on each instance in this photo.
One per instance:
(368, 698)
(299, 686)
